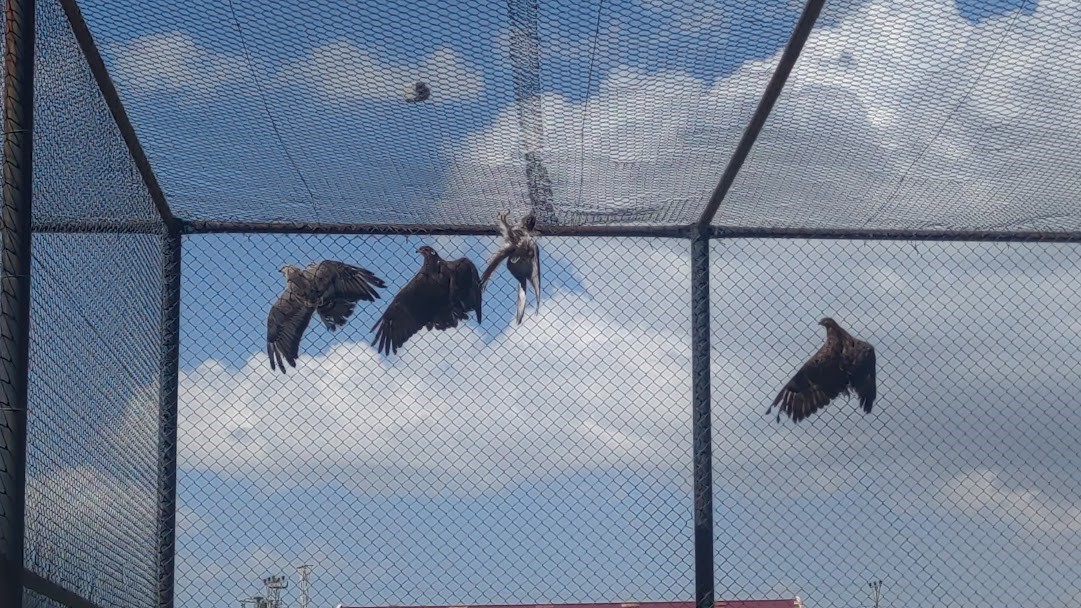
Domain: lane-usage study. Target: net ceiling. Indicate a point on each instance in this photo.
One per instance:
(927, 114)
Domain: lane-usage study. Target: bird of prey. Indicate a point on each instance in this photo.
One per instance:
(842, 365)
(442, 293)
(522, 253)
(329, 288)
(418, 91)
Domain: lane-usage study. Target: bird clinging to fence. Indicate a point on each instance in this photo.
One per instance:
(442, 293)
(522, 252)
(329, 288)
(841, 365)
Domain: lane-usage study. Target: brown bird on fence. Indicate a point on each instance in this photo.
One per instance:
(842, 365)
(329, 288)
(522, 253)
(442, 293)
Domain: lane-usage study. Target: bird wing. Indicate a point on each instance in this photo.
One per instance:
(817, 382)
(335, 313)
(536, 276)
(859, 363)
(417, 305)
(288, 319)
(493, 262)
(334, 280)
(465, 293)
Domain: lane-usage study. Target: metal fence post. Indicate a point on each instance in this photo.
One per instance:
(704, 591)
(15, 297)
(167, 416)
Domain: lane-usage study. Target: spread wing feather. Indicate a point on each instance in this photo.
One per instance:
(335, 280)
(466, 293)
(417, 305)
(813, 386)
(288, 319)
(493, 263)
(859, 362)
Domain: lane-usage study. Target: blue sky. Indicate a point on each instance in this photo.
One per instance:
(550, 461)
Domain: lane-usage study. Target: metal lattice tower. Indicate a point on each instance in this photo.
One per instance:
(304, 571)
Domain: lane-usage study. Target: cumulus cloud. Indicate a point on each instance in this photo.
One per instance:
(341, 71)
(980, 493)
(173, 62)
(895, 116)
(453, 411)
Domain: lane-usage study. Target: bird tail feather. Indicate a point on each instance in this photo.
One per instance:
(520, 312)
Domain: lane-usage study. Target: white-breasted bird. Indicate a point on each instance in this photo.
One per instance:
(522, 252)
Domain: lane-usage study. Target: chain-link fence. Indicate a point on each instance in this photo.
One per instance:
(550, 461)
(91, 489)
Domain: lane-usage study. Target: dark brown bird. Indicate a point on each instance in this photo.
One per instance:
(439, 296)
(329, 288)
(417, 92)
(842, 365)
(522, 253)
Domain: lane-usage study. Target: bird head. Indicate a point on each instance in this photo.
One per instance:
(427, 252)
(828, 323)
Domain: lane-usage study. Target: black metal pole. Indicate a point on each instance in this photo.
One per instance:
(15, 293)
(704, 591)
(773, 90)
(167, 415)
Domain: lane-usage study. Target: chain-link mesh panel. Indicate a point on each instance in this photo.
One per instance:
(962, 486)
(91, 518)
(547, 461)
(932, 115)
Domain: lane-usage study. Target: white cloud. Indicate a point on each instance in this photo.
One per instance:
(449, 412)
(972, 116)
(343, 72)
(173, 62)
(981, 493)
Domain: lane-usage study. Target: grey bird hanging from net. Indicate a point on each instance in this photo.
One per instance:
(416, 92)
(522, 252)
(439, 296)
(330, 289)
(844, 364)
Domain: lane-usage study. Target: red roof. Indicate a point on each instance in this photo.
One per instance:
(780, 603)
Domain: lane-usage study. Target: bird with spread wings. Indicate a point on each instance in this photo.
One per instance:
(522, 253)
(330, 289)
(842, 365)
(439, 296)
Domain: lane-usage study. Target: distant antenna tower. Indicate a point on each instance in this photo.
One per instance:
(304, 571)
(274, 586)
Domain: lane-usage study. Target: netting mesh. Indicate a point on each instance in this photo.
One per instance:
(931, 115)
(550, 462)
(935, 115)
(91, 496)
(82, 169)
